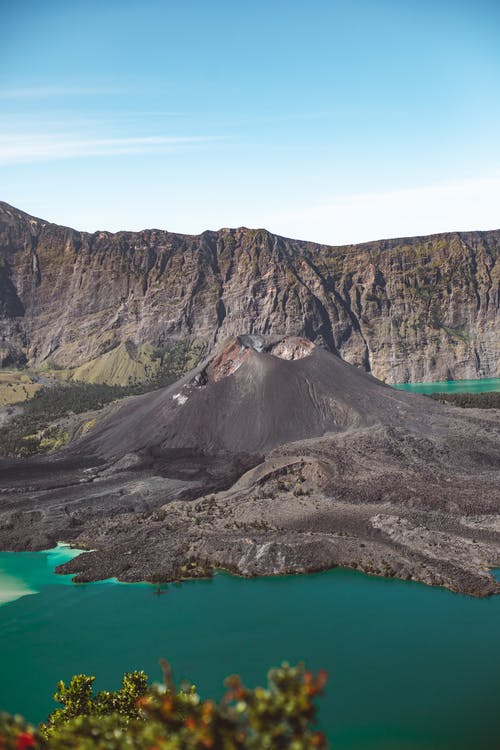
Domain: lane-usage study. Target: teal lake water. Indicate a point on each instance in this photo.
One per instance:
(411, 667)
(453, 386)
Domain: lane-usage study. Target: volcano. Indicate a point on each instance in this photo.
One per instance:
(273, 456)
(258, 393)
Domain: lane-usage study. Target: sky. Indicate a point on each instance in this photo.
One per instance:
(329, 121)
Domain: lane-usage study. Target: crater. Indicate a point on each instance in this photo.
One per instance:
(240, 349)
(234, 354)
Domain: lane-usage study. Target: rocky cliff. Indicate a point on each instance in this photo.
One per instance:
(424, 308)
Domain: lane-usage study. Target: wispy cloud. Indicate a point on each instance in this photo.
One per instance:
(39, 92)
(15, 149)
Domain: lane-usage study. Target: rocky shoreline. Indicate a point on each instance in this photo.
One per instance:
(275, 519)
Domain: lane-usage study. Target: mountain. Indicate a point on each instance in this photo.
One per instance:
(273, 456)
(424, 308)
(255, 395)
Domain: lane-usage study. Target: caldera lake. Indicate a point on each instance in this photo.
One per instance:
(411, 667)
(483, 385)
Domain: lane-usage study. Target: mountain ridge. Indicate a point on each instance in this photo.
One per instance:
(419, 308)
(4, 206)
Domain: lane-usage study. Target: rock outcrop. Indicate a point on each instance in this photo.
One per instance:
(424, 308)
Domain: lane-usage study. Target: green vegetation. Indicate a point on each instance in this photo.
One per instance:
(455, 334)
(124, 365)
(77, 699)
(488, 400)
(33, 430)
(128, 364)
(16, 386)
(162, 717)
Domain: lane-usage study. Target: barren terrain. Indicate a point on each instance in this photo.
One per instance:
(272, 457)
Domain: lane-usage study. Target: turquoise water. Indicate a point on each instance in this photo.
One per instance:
(24, 574)
(453, 386)
(411, 667)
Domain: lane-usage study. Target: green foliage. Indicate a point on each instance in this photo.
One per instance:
(33, 430)
(456, 334)
(470, 400)
(29, 432)
(109, 732)
(77, 699)
(138, 717)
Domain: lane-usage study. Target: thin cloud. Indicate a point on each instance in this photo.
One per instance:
(343, 219)
(16, 149)
(36, 92)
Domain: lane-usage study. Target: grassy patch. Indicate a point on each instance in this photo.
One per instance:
(15, 387)
(35, 429)
(456, 334)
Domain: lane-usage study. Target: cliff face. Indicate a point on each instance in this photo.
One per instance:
(425, 308)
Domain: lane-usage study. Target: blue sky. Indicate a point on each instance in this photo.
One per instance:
(332, 121)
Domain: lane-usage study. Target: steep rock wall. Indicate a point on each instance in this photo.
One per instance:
(424, 308)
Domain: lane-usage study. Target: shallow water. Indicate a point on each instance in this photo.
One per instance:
(25, 574)
(411, 667)
(453, 386)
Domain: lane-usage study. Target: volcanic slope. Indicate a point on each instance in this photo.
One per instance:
(273, 456)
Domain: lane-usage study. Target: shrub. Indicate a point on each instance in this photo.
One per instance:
(162, 717)
(488, 400)
(77, 699)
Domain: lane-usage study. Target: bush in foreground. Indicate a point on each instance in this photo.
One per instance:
(161, 717)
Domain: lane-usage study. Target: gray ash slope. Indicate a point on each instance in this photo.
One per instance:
(266, 400)
(272, 457)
